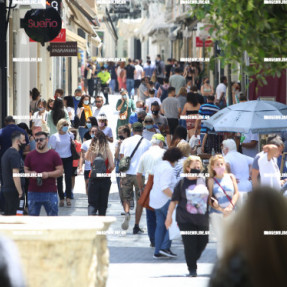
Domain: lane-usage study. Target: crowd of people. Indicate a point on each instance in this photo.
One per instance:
(161, 147)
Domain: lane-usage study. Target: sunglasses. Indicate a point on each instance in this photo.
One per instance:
(148, 122)
(40, 140)
(98, 102)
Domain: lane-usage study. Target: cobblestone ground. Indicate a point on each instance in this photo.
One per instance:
(131, 257)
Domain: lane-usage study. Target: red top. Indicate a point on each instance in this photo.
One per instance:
(78, 150)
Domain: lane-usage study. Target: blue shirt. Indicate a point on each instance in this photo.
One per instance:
(148, 71)
(206, 110)
(76, 103)
(5, 137)
(133, 118)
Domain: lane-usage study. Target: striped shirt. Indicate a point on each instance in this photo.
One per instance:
(205, 111)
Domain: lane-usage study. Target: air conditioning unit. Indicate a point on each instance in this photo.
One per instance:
(32, 4)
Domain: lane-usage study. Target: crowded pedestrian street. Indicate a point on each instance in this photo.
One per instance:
(143, 143)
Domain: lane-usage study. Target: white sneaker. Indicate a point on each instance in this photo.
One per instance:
(125, 224)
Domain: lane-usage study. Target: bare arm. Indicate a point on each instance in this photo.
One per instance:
(171, 208)
(139, 180)
(17, 182)
(167, 192)
(254, 177)
(213, 204)
(252, 144)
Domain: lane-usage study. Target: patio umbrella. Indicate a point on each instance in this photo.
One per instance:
(256, 116)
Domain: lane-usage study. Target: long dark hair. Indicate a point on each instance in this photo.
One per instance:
(180, 133)
(94, 121)
(192, 99)
(35, 94)
(82, 100)
(70, 101)
(58, 111)
(99, 144)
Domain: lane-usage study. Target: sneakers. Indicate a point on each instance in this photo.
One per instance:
(125, 224)
(137, 230)
(167, 253)
(192, 273)
(160, 256)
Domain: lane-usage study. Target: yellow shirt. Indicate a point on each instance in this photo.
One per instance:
(104, 76)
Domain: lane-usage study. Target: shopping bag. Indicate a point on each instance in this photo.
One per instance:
(174, 232)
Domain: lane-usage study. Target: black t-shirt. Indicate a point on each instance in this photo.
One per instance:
(87, 136)
(11, 159)
(167, 70)
(192, 197)
(130, 69)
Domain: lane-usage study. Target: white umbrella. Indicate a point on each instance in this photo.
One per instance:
(255, 116)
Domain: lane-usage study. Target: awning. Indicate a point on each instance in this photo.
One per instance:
(80, 19)
(110, 26)
(131, 27)
(71, 36)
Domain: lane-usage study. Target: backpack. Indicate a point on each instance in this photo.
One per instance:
(158, 68)
(164, 93)
(98, 166)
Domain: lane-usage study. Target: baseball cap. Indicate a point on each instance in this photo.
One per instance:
(123, 91)
(137, 127)
(158, 137)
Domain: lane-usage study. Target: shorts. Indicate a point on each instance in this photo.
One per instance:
(127, 185)
(172, 123)
(74, 171)
(86, 174)
(137, 84)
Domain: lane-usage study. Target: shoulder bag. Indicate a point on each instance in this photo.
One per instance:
(74, 152)
(224, 192)
(125, 162)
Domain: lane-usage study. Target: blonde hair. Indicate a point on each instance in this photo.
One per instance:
(183, 91)
(61, 123)
(212, 161)
(184, 148)
(189, 160)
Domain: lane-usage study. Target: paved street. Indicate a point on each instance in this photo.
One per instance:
(131, 262)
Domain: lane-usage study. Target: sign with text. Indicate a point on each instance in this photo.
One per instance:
(208, 42)
(56, 4)
(61, 38)
(42, 25)
(68, 49)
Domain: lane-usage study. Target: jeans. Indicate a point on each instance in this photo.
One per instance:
(98, 195)
(112, 85)
(151, 225)
(193, 244)
(162, 241)
(11, 201)
(68, 170)
(106, 93)
(91, 87)
(130, 85)
(48, 199)
(82, 132)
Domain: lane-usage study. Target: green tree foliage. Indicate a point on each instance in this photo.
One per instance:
(252, 26)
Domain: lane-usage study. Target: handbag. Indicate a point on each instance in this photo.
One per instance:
(125, 162)
(74, 152)
(174, 231)
(124, 115)
(144, 198)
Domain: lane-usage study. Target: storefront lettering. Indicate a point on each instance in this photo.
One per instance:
(42, 24)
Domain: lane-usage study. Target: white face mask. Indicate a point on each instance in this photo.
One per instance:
(139, 110)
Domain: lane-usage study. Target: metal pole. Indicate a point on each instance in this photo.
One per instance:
(3, 61)
(230, 100)
(203, 64)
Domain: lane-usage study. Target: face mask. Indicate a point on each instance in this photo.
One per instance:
(194, 170)
(89, 125)
(219, 170)
(92, 136)
(65, 129)
(207, 82)
(121, 137)
(148, 126)
(86, 102)
(78, 98)
(189, 87)
(155, 113)
(21, 146)
(139, 110)
(101, 125)
(124, 97)
(41, 109)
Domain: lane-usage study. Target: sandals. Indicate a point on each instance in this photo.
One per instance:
(68, 202)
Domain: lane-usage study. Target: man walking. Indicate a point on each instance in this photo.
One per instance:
(160, 69)
(177, 81)
(12, 165)
(129, 182)
(105, 77)
(221, 93)
(43, 190)
(130, 82)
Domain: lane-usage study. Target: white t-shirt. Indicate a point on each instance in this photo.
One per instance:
(37, 119)
(102, 110)
(164, 178)
(252, 152)
(72, 111)
(221, 88)
(149, 160)
(127, 147)
(61, 144)
(85, 147)
(138, 72)
(108, 132)
(269, 172)
(148, 135)
(239, 166)
(149, 101)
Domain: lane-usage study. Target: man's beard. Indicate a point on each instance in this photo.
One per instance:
(41, 147)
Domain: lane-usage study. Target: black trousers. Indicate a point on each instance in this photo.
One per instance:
(11, 201)
(105, 91)
(68, 170)
(193, 244)
(90, 87)
(172, 124)
(98, 195)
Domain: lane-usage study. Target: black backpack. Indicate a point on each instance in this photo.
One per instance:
(98, 166)
(158, 68)
(164, 93)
